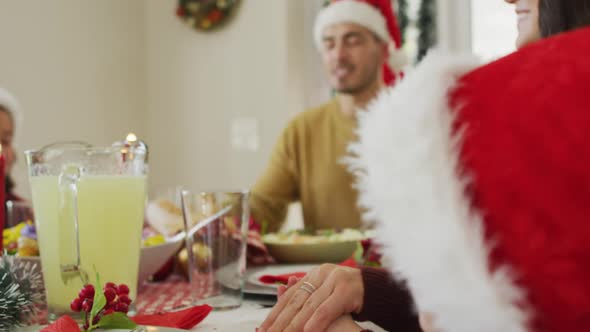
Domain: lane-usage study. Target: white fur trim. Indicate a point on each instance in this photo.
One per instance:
(350, 11)
(407, 166)
(398, 59)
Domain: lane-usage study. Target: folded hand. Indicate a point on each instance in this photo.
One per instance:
(317, 300)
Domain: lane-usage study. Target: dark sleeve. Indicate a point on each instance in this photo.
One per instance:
(387, 302)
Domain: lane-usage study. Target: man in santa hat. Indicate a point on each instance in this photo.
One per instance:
(357, 39)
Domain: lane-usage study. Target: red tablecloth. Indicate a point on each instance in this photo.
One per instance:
(174, 293)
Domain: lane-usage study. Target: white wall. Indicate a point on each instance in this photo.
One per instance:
(94, 70)
(454, 25)
(317, 89)
(199, 83)
(77, 68)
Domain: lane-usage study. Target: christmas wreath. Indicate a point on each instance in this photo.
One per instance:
(205, 14)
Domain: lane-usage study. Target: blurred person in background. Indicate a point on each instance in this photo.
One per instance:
(359, 45)
(8, 111)
(504, 251)
(18, 209)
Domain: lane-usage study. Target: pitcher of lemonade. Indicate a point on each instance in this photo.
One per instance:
(89, 205)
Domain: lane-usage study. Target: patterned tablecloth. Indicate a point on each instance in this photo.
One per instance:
(155, 297)
(174, 293)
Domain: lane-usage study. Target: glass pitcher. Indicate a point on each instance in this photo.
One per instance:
(89, 205)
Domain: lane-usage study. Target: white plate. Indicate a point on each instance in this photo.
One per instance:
(277, 269)
(149, 329)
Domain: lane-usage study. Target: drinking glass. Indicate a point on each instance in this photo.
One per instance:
(216, 224)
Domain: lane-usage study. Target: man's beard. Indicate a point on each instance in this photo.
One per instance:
(363, 85)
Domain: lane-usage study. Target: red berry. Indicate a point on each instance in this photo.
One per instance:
(374, 257)
(124, 299)
(121, 307)
(87, 305)
(110, 294)
(85, 326)
(108, 311)
(87, 292)
(123, 289)
(76, 305)
(110, 285)
(95, 320)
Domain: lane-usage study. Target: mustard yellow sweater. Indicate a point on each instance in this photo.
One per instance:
(306, 166)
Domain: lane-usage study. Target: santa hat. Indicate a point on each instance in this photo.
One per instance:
(9, 102)
(375, 15)
(481, 187)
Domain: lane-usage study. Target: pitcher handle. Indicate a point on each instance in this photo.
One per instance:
(69, 231)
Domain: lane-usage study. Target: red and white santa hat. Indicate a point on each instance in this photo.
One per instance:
(11, 104)
(375, 15)
(8, 101)
(481, 187)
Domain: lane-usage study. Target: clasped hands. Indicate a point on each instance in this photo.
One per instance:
(321, 301)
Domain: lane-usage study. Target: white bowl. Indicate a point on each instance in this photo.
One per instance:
(151, 259)
(154, 257)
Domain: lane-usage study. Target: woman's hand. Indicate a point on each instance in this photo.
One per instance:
(282, 288)
(317, 300)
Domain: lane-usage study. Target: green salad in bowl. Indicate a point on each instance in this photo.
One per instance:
(321, 246)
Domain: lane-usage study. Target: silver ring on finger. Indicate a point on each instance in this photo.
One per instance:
(306, 288)
(310, 285)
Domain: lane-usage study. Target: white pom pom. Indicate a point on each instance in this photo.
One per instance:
(398, 59)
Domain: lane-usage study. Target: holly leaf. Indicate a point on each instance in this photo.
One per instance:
(358, 253)
(372, 264)
(99, 299)
(63, 324)
(116, 320)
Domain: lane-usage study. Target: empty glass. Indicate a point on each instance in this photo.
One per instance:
(216, 224)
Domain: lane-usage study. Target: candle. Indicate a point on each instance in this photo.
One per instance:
(131, 145)
(2, 197)
(135, 144)
(131, 138)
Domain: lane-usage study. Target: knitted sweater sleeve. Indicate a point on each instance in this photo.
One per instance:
(387, 302)
(278, 185)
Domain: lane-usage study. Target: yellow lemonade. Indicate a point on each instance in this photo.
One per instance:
(110, 216)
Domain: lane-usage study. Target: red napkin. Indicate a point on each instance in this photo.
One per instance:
(280, 278)
(184, 319)
(284, 278)
(63, 324)
(349, 262)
